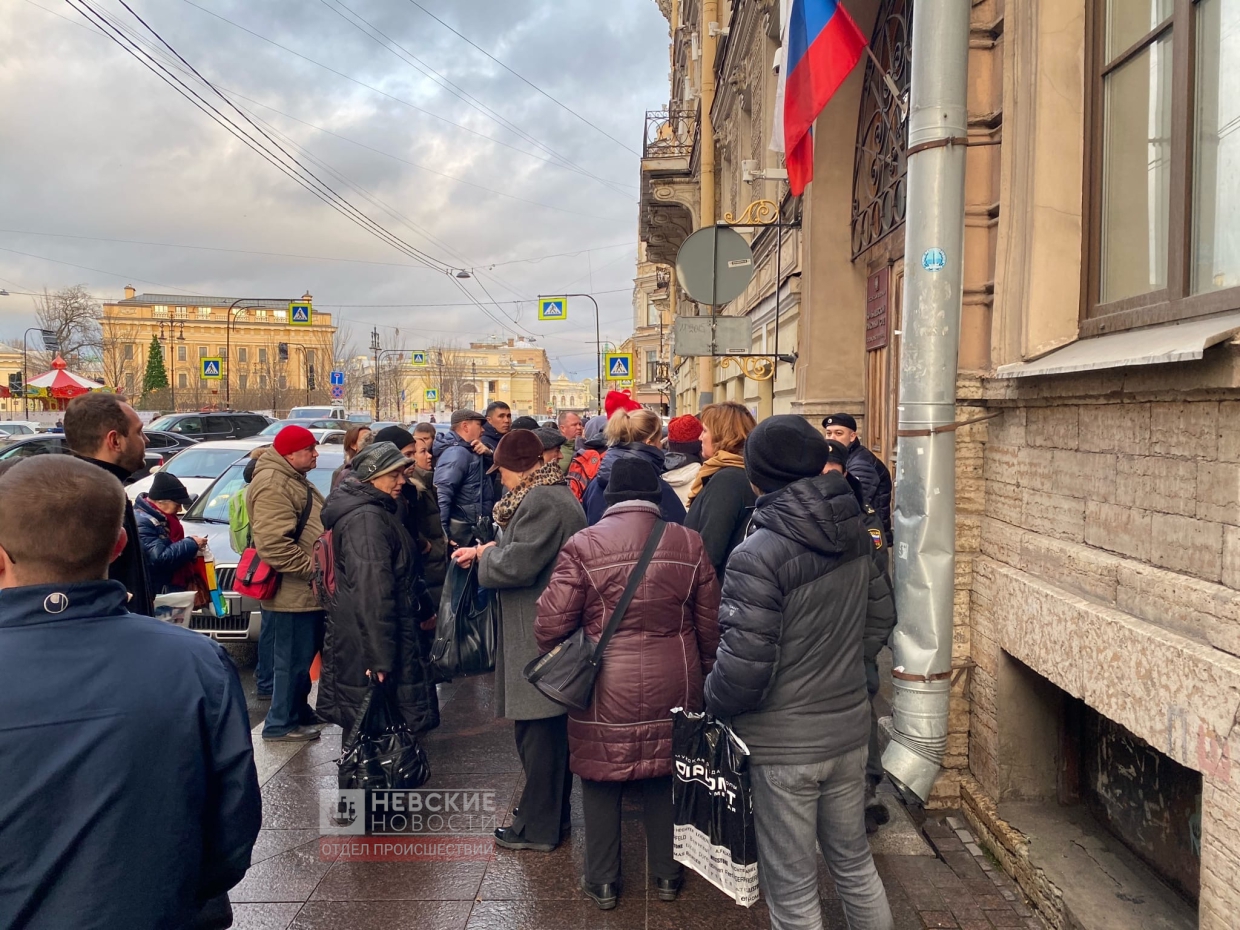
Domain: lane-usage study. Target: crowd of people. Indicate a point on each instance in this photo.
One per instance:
(764, 600)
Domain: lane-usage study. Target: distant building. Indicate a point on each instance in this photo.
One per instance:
(573, 396)
(514, 371)
(190, 329)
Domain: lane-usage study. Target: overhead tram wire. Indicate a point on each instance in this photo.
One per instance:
(237, 95)
(399, 100)
(382, 231)
(326, 195)
(390, 44)
(563, 106)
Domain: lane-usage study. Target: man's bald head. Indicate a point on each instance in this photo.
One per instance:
(60, 521)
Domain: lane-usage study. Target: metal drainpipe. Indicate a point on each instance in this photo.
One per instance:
(924, 521)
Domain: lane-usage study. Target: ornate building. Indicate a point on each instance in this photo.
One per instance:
(514, 371)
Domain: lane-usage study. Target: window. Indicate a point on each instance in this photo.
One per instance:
(283, 383)
(243, 354)
(160, 310)
(181, 353)
(182, 380)
(1164, 213)
(182, 313)
(129, 383)
(223, 351)
(243, 379)
(492, 387)
(129, 351)
(652, 365)
(652, 313)
(262, 357)
(261, 315)
(204, 313)
(262, 381)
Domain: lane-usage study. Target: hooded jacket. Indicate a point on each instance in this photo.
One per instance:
(465, 490)
(380, 600)
(661, 652)
(128, 795)
(875, 482)
(682, 468)
(672, 509)
(274, 500)
(164, 555)
(796, 599)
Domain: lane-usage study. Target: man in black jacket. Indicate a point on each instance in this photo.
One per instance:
(797, 595)
(128, 795)
(466, 493)
(863, 465)
(104, 430)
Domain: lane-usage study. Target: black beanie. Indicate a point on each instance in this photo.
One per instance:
(781, 450)
(396, 435)
(633, 479)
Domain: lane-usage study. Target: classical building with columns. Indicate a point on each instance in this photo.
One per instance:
(1096, 648)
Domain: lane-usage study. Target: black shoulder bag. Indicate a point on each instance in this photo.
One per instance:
(566, 674)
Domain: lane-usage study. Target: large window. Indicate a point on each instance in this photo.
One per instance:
(1165, 162)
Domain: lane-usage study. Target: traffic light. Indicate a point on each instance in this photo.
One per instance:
(368, 390)
(15, 383)
(310, 378)
(282, 351)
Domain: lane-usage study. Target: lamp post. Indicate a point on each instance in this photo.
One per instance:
(49, 342)
(172, 371)
(598, 345)
(305, 358)
(378, 361)
(232, 318)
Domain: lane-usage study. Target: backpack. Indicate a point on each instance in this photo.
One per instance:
(581, 471)
(239, 522)
(323, 570)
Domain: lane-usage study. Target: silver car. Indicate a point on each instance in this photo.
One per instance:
(209, 517)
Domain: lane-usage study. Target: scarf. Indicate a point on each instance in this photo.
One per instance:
(548, 473)
(717, 462)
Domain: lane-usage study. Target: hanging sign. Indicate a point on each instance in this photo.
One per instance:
(876, 303)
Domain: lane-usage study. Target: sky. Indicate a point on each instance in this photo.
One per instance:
(462, 160)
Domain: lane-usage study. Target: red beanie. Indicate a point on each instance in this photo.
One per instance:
(618, 400)
(292, 439)
(684, 428)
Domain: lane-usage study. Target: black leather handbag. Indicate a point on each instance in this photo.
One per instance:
(566, 674)
(380, 751)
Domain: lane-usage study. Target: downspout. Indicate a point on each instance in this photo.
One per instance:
(924, 521)
(710, 14)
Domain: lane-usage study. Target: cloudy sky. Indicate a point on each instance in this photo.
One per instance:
(441, 145)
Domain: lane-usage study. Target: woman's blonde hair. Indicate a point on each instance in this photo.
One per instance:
(633, 426)
(729, 423)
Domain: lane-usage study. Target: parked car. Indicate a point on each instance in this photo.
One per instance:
(33, 426)
(20, 447)
(17, 429)
(209, 517)
(318, 427)
(199, 465)
(317, 413)
(167, 444)
(234, 424)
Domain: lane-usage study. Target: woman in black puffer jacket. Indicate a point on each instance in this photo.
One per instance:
(372, 625)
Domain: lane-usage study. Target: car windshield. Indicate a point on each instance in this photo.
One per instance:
(203, 463)
(162, 423)
(311, 413)
(212, 507)
(275, 427)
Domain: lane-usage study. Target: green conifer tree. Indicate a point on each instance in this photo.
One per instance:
(156, 376)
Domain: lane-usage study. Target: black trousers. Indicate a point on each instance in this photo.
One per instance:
(544, 805)
(601, 802)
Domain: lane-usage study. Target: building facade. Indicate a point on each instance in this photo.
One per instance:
(257, 374)
(1096, 647)
(568, 396)
(514, 371)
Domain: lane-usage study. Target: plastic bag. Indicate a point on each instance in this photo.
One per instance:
(712, 804)
(380, 751)
(467, 631)
(176, 607)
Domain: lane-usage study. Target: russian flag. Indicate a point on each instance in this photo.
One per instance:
(822, 46)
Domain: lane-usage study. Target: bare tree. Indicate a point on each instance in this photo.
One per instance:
(73, 315)
(122, 357)
(449, 370)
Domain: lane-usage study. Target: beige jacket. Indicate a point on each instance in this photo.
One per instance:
(275, 499)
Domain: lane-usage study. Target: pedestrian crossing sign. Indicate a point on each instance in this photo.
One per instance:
(300, 314)
(417, 359)
(212, 368)
(553, 308)
(432, 395)
(619, 366)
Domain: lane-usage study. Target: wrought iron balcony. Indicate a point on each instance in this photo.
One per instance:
(670, 133)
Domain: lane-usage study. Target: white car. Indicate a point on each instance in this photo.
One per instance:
(19, 427)
(200, 464)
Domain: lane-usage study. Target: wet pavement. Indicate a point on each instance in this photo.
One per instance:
(291, 884)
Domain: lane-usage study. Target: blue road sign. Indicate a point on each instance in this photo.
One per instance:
(212, 369)
(417, 359)
(618, 365)
(336, 379)
(300, 314)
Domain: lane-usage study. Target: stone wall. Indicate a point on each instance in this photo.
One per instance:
(1108, 562)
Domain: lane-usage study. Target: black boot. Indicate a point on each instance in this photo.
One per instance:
(668, 888)
(602, 895)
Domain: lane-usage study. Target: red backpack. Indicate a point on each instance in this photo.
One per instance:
(581, 471)
(323, 571)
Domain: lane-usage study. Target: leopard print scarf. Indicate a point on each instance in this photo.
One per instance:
(546, 474)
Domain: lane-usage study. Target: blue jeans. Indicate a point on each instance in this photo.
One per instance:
(297, 638)
(794, 805)
(264, 668)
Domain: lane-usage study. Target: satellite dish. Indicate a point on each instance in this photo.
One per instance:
(715, 265)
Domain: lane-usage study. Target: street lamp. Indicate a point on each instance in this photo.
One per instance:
(305, 357)
(598, 345)
(228, 346)
(172, 376)
(378, 359)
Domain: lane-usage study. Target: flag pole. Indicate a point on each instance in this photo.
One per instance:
(888, 80)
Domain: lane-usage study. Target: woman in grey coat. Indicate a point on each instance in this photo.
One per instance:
(537, 515)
